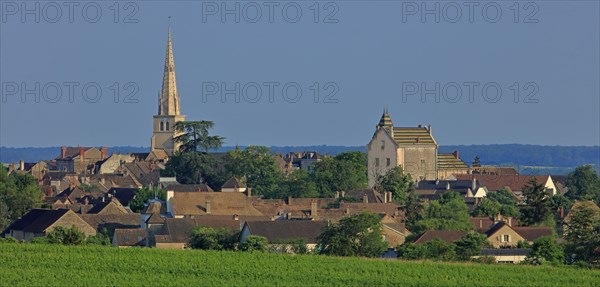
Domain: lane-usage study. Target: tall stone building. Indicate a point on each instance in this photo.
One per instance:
(413, 148)
(168, 107)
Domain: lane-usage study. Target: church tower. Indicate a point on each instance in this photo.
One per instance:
(168, 107)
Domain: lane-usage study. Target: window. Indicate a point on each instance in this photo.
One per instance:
(505, 238)
(388, 161)
(376, 162)
(167, 125)
(162, 125)
(382, 144)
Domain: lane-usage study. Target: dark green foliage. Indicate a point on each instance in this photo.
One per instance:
(547, 249)
(448, 213)
(191, 168)
(487, 208)
(66, 236)
(583, 235)
(256, 164)
(101, 238)
(357, 235)
(436, 249)
(18, 194)
(559, 201)
(195, 134)
(346, 171)
(508, 203)
(298, 184)
(413, 210)
(208, 238)
(535, 209)
(584, 183)
(470, 245)
(396, 182)
(254, 243)
(476, 161)
(145, 194)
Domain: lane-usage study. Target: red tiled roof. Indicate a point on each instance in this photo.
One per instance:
(448, 236)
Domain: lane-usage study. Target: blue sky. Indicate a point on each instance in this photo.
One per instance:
(375, 53)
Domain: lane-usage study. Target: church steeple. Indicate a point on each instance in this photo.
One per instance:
(169, 97)
(385, 119)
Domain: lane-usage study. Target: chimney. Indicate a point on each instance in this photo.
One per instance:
(289, 200)
(455, 154)
(429, 128)
(22, 165)
(63, 151)
(236, 217)
(343, 193)
(313, 208)
(365, 199)
(447, 185)
(390, 197)
(208, 209)
(385, 196)
(337, 194)
(480, 222)
(561, 212)
(104, 151)
(474, 184)
(509, 221)
(81, 153)
(249, 191)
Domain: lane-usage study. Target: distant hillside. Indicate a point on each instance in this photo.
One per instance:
(534, 159)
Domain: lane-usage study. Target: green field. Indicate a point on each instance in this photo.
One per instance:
(55, 265)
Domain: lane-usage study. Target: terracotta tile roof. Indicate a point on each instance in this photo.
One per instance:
(482, 224)
(189, 188)
(72, 152)
(448, 236)
(178, 230)
(372, 195)
(112, 221)
(131, 237)
(233, 183)
(283, 230)
(533, 233)
(410, 135)
(222, 203)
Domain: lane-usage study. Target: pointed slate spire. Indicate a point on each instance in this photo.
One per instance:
(169, 97)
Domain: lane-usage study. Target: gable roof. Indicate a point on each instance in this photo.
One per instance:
(413, 135)
(222, 203)
(37, 220)
(178, 230)
(283, 230)
(130, 237)
(190, 188)
(234, 182)
(123, 194)
(73, 152)
(531, 233)
(496, 182)
(112, 221)
(445, 235)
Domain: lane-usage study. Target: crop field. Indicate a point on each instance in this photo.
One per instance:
(56, 265)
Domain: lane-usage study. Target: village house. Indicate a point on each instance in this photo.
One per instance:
(79, 160)
(281, 233)
(40, 222)
(134, 237)
(512, 183)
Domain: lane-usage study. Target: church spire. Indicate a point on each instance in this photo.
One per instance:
(169, 97)
(385, 119)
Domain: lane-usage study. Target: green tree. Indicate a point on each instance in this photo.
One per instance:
(584, 183)
(583, 235)
(101, 238)
(396, 182)
(476, 161)
(208, 238)
(255, 243)
(548, 249)
(470, 245)
(66, 236)
(559, 201)
(448, 213)
(190, 167)
(536, 209)
(195, 134)
(508, 203)
(298, 184)
(436, 249)
(413, 209)
(19, 193)
(357, 235)
(145, 194)
(256, 164)
(487, 207)
(346, 171)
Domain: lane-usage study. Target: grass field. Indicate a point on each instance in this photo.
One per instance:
(55, 265)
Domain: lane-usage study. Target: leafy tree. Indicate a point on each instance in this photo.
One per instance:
(256, 164)
(298, 184)
(346, 171)
(208, 238)
(254, 243)
(470, 245)
(195, 134)
(536, 208)
(436, 249)
(145, 194)
(583, 235)
(190, 167)
(584, 183)
(66, 236)
(396, 182)
(357, 235)
(19, 193)
(508, 203)
(548, 249)
(448, 213)
(487, 207)
(559, 201)
(413, 209)
(101, 238)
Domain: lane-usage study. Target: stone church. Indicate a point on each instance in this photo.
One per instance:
(168, 107)
(413, 148)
